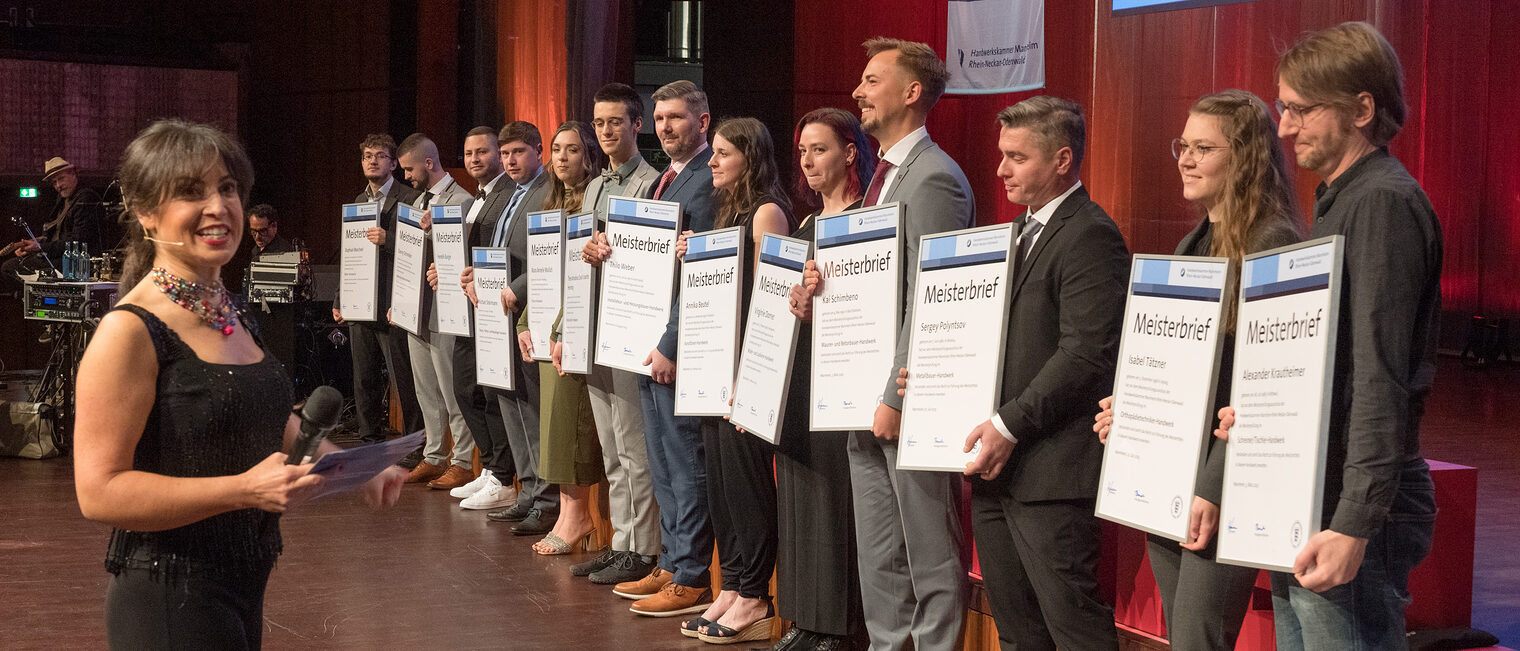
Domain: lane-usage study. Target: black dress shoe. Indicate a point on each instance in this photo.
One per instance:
(514, 513)
(789, 641)
(537, 523)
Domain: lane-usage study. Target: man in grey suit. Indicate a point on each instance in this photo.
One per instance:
(433, 353)
(912, 576)
(617, 117)
(521, 148)
(1036, 475)
(374, 342)
(492, 489)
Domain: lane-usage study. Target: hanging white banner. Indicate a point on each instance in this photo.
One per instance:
(995, 46)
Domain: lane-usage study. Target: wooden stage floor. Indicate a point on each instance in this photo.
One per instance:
(429, 575)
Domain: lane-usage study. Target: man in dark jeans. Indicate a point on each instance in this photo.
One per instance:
(1340, 99)
(374, 341)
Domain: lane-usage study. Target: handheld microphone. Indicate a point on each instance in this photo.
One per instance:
(318, 417)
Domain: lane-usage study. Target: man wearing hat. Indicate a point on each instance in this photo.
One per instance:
(78, 216)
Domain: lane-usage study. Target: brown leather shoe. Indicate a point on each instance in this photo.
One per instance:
(674, 599)
(454, 477)
(424, 472)
(644, 588)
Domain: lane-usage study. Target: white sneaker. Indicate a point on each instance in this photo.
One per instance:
(494, 495)
(474, 486)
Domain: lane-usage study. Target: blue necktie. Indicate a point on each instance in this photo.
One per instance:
(502, 225)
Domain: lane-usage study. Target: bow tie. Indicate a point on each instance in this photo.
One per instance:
(614, 177)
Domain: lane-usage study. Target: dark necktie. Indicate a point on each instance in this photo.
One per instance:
(427, 199)
(1028, 227)
(665, 179)
(878, 179)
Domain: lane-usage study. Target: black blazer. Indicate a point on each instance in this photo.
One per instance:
(403, 193)
(84, 222)
(1063, 337)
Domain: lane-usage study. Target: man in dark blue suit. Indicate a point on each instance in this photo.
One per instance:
(680, 582)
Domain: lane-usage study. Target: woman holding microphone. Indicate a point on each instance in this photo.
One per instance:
(182, 413)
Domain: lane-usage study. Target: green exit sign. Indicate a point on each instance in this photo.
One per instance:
(28, 193)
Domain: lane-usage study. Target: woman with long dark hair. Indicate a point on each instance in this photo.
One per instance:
(741, 492)
(569, 452)
(183, 414)
(1234, 171)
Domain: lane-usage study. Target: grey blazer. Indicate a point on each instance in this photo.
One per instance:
(452, 194)
(936, 198)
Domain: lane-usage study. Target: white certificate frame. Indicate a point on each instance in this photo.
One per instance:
(756, 392)
(495, 361)
(409, 271)
(849, 234)
(545, 278)
(1151, 461)
(928, 441)
(620, 341)
(578, 289)
(1270, 538)
(360, 297)
(703, 391)
(451, 255)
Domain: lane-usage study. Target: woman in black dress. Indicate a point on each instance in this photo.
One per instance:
(182, 413)
(817, 582)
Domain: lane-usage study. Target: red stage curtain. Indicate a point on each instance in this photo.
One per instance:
(531, 61)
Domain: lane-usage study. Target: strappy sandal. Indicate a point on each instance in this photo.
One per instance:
(759, 629)
(693, 627)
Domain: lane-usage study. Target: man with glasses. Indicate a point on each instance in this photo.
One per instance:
(370, 342)
(1340, 97)
(264, 225)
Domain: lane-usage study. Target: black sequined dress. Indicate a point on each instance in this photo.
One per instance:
(208, 420)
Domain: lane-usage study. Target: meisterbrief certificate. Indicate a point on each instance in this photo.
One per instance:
(770, 339)
(708, 327)
(1274, 474)
(955, 361)
(544, 278)
(408, 273)
(361, 263)
(638, 281)
(494, 330)
(1163, 392)
(579, 291)
(855, 314)
(450, 255)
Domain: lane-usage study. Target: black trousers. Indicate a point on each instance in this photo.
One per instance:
(481, 415)
(144, 611)
(741, 501)
(1040, 569)
(817, 581)
(376, 347)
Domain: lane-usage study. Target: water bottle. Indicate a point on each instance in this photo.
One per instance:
(68, 261)
(82, 266)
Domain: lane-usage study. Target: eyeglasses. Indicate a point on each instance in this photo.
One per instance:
(616, 123)
(261, 231)
(371, 155)
(1181, 148)
(1299, 113)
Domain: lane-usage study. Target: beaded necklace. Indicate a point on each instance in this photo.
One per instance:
(191, 296)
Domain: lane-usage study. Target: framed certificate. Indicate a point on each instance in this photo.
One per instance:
(360, 276)
(579, 292)
(408, 275)
(544, 278)
(1274, 474)
(1164, 391)
(955, 361)
(855, 315)
(450, 255)
(638, 281)
(770, 339)
(712, 276)
(494, 330)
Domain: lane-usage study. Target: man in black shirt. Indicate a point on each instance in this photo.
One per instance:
(1340, 98)
(78, 216)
